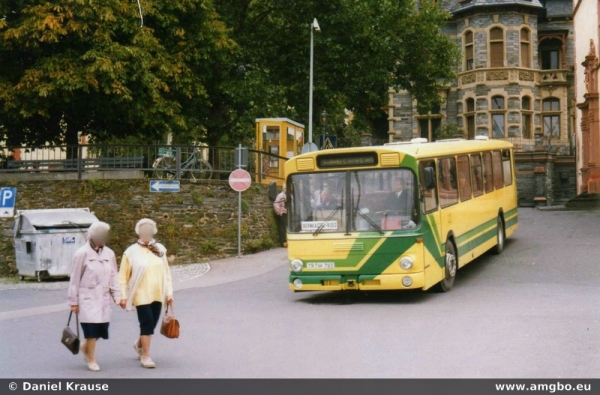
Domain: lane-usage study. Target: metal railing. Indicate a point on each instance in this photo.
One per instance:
(155, 161)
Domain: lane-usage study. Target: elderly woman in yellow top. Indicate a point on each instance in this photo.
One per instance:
(93, 288)
(146, 284)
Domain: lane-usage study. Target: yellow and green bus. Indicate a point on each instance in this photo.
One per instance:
(398, 216)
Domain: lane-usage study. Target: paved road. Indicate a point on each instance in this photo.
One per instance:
(531, 312)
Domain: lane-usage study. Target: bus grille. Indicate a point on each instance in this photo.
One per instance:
(390, 159)
(305, 164)
(348, 247)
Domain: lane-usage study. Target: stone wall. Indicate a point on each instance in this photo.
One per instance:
(544, 179)
(196, 224)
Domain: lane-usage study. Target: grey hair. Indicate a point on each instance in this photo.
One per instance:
(97, 227)
(145, 221)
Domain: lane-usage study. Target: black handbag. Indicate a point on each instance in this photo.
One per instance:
(69, 338)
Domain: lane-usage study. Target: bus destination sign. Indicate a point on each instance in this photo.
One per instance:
(347, 160)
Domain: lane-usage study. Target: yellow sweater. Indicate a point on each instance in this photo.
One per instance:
(150, 288)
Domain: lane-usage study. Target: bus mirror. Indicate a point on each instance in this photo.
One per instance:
(429, 177)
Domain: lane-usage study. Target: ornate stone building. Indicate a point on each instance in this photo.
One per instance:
(587, 33)
(515, 82)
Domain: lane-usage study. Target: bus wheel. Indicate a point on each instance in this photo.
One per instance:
(450, 268)
(499, 236)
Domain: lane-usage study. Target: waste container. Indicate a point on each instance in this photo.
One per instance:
(46, 240)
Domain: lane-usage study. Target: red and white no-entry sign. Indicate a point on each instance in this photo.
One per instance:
(240, 180)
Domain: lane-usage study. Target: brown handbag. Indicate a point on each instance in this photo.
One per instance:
(170, 326)
(69, 338)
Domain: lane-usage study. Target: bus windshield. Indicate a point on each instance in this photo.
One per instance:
(352, 201)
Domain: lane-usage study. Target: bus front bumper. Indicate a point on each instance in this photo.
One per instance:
(315, 282)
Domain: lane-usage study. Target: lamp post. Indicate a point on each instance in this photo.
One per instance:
(314, 27)
(323, 123)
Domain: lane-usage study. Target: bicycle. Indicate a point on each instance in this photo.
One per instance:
(165, 165)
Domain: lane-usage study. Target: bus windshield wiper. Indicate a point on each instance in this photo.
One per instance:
(357, 210)
(320, 228)
(370, 221)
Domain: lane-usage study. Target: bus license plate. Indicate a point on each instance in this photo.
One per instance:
(320, 265)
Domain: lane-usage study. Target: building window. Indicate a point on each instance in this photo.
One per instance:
(551, 117)
(430, 123)
(498, 117)
(496, 47)
(470, 118)
(469, 50)
(526, 118)
(550, 53)
(525, 48)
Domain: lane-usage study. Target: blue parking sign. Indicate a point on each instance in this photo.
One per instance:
(8, 197)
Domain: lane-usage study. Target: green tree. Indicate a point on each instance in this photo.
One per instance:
(204, 71)
(365, 48)
(74, 65)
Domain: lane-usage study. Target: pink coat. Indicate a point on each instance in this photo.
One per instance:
(94, 284)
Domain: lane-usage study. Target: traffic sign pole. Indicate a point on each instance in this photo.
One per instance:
(240, 180)
(240, 208)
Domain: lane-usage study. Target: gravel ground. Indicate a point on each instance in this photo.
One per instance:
(179, 272)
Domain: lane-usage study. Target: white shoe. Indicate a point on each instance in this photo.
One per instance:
(138, 350)
(148, 363)
(93, 367)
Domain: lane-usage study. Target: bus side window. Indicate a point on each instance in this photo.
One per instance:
(464, 178)
(477, 174)
(428, 185)
(506, 167)
(488, 176)
(497, 164)
(447, 184)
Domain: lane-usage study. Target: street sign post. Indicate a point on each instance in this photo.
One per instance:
(327, 141)
(309, 147)
(8, 197)
(164, 186)
(240, 180)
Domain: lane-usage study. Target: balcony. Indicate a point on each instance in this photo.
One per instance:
(511, 75)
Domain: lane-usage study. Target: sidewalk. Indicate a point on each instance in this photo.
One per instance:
(229, 270)
(210, 274)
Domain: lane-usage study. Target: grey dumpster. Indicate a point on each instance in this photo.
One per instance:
(46, 240)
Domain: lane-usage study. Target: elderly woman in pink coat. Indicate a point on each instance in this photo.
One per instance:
(94, 287)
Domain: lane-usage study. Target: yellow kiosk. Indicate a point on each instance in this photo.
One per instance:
(276, 137)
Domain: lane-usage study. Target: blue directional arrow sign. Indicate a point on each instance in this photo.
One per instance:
(164, 186)
(8, 197)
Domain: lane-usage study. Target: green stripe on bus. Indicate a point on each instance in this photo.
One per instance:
(511, 222)
(510, 213)
(480, 228)
(476, 230)
(476, 242)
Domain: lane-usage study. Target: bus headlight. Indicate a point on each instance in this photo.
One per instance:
(297, 283)
(406, 263)
(296, 265)
(406, 281)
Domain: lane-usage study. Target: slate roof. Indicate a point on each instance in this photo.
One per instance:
(556, 8)
(467, 5)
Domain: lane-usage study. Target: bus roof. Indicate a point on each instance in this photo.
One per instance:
(450, 147)
(423, 150)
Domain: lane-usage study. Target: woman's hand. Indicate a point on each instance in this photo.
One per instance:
(123, 303)
(75, 308)
(169, 300)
